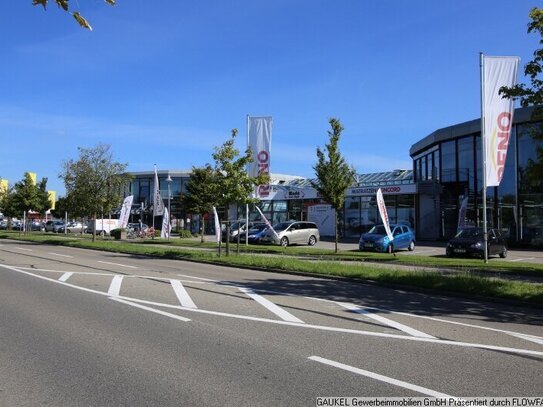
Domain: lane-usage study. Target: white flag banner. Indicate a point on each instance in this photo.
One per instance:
(166, 225)
(383, 212)
(125, 211)
(158, 203)
(268, 224)
(217, 225)
(462, 214)
(498, 113)
(259, 136)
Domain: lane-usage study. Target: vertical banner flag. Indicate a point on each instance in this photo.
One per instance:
(259, 135)
(217, 225)
(462, 214)
(498, 113)
(125, 211)
(166, 226)
(383, 212)
(158, 203)
(268, 224)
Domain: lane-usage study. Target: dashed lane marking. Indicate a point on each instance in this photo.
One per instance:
(117, 264)
(23, 249)
(182, 294)
(381, 378)
(61, 255)
(523, 259)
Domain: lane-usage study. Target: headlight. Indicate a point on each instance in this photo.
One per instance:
(477, 245)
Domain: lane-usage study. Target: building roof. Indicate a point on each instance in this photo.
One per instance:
(395, 177)
(521, 115)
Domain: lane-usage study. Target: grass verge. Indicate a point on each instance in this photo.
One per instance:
(458, 283)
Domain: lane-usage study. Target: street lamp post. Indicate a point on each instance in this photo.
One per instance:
(169, 180)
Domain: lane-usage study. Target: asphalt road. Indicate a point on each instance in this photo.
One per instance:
(80, 327)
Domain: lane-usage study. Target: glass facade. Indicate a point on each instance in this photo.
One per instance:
(515, 207)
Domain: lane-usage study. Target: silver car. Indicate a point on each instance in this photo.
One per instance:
(292, 233)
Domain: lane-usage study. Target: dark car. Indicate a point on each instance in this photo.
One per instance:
(255, 233)
(377, 239)
(470, 242)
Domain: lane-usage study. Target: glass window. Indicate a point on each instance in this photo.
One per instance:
(279, 206)
(436, 164)
(448, 161)
(430, 166)
(423, 170)
(466, 166)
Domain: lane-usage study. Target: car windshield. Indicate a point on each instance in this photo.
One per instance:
(378, 230)
(281, 226)
(257, 228)
(237, 225)
(470, 232)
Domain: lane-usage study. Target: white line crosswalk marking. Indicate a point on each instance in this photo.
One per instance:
(280, 312)
(65, 276)
(182, 294)
(115, 286)
(384, 320)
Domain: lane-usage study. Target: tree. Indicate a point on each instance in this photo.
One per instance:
(63, 4)
(7, 205)
(532, 96)
(333, 173)
(201, 193)
(232, 182)
(94, 183)
(27, 196)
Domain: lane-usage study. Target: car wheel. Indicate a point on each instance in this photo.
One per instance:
(411, 246)
(503, 254)
(390, 248)
(312, 241)
(284, 242)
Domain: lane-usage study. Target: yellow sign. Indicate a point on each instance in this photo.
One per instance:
(52, 198)
(3, 185)
(33, 177)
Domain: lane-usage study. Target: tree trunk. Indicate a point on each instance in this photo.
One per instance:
(203, 228)
(94, 228)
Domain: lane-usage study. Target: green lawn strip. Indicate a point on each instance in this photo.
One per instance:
(462, 283)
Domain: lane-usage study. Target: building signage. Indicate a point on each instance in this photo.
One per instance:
(389, 190)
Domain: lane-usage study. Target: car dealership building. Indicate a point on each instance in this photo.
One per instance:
(446, 168)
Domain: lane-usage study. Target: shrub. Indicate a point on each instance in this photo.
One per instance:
(116, 233)
(183, 234)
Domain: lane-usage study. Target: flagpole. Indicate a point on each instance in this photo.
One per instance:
(483, 150)
(154, 193)
(247, 205)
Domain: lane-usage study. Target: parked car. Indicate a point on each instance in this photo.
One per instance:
(470, 242)
(73, 227)
(3, 224)
(292, 233)
(136, 227)
(35, 226)
(255, 233)
(53, 225)
(235, 229)
(377, 239)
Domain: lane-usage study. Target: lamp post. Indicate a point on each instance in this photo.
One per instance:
(169, 180)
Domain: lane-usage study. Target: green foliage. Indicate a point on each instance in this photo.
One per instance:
(184, 234)
(26, 196)
(332, 171)
(201, 189)
(94, 182)
(63, 4)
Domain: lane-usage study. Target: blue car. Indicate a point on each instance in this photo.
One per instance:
(255, 233)
(377, 239)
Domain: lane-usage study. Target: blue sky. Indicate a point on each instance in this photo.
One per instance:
(165, 81)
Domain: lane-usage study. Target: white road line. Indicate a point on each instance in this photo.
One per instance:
(182, 294)
(22, 248)
(61, 255)
(527, 258)
(293, 324)
(198, 278)
(156, 311)
(115, 286)
(376, 376)
(386, 321)
(65, 276)
(280, 312)
(530, 338)
(117, 264)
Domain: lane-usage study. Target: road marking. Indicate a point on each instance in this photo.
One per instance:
(198, 278)
(376, 376)
(22, 248)
(117, 264)
(61, 255)
(530, 338)
(65, 276)
(386, 321)
(293, 324)
(156, 311)
(280, 312)
(527, 258)
(115, 286)
(182, 294)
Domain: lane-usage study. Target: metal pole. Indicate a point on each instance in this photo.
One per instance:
(65, 222)
(483, 150)
(247, 205)
(169, 213)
